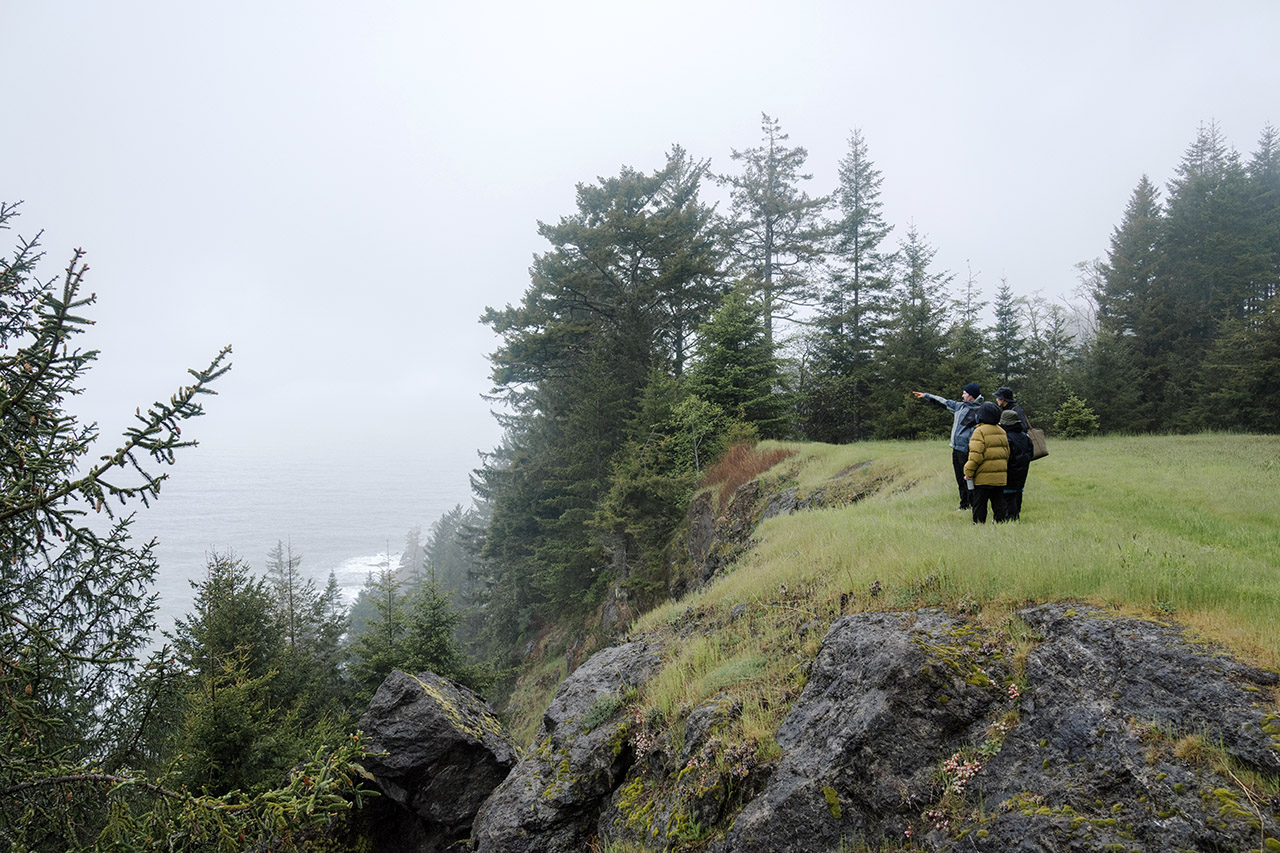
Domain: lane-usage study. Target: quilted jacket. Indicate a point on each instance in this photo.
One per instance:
(988, 463)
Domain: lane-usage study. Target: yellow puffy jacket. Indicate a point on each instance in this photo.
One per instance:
(988, 463)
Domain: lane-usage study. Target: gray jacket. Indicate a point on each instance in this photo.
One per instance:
(965, 419)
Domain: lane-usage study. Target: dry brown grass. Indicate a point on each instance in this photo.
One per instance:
(741, 464)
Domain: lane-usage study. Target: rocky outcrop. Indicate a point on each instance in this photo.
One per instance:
(1113, 734)
(1067, 729)
(551, 800)
(437, 752)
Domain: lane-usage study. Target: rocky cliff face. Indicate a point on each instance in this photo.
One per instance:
(1067, 728)
(582, 752)
(921, 730)
(1116, 734)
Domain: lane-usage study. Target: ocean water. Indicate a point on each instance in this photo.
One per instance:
(341, 513)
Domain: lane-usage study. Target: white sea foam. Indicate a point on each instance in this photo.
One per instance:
(353, 573)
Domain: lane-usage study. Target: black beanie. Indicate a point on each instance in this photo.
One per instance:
(972, 389)
(989, 413)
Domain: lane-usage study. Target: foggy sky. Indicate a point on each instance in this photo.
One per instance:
(339, 189)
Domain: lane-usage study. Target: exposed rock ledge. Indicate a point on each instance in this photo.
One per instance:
(1119, 734)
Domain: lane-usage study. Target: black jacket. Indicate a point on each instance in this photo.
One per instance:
(1022, 416)
(1019, 449)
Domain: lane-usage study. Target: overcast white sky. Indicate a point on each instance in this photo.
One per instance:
(339, 189)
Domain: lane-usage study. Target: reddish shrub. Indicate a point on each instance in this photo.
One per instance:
(740, 464)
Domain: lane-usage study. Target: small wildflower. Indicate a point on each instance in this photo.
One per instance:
(1014, 692)
(960, 772)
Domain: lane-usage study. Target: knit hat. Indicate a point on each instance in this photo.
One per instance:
(972, 389)
(1004, 392)
(989, 413)
(1009, 418)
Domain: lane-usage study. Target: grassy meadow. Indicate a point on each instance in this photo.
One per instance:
(1184, 528)
(1177, 526)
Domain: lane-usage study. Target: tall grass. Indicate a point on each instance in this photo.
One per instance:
(1182, 527)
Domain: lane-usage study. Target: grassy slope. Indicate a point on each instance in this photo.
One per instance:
(1181, 526)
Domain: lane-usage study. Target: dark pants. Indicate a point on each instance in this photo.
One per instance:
(1013, 494)
(958, 458)
(983, 494)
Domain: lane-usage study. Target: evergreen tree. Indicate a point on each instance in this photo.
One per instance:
(1110, 374)
(1074, 419)
(966, 358)
(1213, 259)
(575, 355)
(378, 648)
(672, 436)
(736, 369)
(838, 401)
(1214, 263)
(775, 230)
(1006, 341)
(913, 348)
(411, 631)
(696, 281)
(77, 607)
(1051, 359)
(78, 713)
(1239, 390)
(1264, 183)
(1134, 321)
(445, 557)
(232, 735)
(429, 642)
(413, 556)
(233, 614)
(296, 596)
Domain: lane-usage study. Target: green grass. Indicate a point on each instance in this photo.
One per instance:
(1174, 527)
(1181, 527)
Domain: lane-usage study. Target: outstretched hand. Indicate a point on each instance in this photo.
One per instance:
(918, 394)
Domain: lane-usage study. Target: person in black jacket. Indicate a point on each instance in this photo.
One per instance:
(1019, 463)
(1004, 399)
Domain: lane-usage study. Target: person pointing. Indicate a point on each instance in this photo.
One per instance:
(965, 418)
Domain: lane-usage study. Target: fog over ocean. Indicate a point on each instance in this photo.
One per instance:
(340, 513)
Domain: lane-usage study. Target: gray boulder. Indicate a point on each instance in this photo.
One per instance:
(890, 696)
(1122, 734)
(437, 751)
(1130, 736)
(553, 797)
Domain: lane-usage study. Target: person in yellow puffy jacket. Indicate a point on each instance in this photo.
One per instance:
(988, 466)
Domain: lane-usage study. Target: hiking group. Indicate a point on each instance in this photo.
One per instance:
(990, 451)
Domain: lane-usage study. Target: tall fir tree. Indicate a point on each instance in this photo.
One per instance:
(1051, 367)
(574, 358)
(775, 230)
(1007, 345)
(1134, 321)
(913, 348)
(967, 358)
(77, 608)
(838, 400)
(1264, 183)
(1213, 261)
